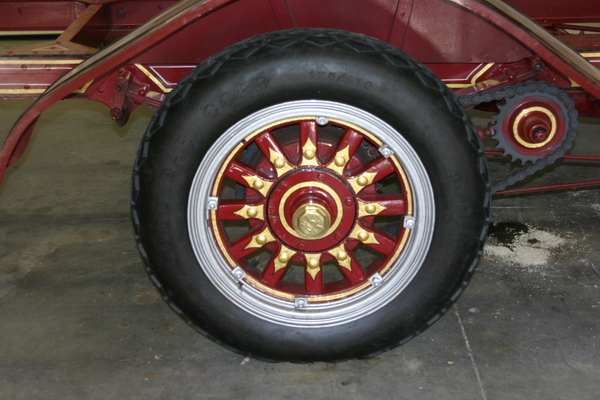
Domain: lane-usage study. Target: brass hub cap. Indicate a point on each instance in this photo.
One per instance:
(311, 221)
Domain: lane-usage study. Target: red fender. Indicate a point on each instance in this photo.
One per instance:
(158, 28)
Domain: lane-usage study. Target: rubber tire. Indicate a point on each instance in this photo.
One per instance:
(275, 68)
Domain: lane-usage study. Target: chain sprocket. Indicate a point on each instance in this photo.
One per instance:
(532, 161)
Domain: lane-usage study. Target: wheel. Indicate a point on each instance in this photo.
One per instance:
(310, 195)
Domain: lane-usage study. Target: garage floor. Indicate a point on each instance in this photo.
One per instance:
(80, 319)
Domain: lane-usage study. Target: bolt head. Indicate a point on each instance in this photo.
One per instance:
(370, 208)
(322, 121)
(300, 303)
(341, 255)
(238, 274)
(279, 163)
(311, 221)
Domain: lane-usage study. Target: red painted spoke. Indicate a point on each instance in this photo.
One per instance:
(381, 166)
(308, 130)
(313, 284)
(386, 242)
(356, 274)
(394, 204)
(228, 208)
(352, 140)
(269, 276)
(236, 170)
(238, 248)
(267, 142)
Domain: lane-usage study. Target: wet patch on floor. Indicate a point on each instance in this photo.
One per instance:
(521, 245)
(505, 233)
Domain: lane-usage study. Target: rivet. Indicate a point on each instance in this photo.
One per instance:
(309, 154)
(342, 255)
(362, 181)
(349, 201)
(258, 184)
(340, 161)
(363, 235)
(279, 163)
(371, 208)
(261, 239)
(283, 258)
(313, 263)
(252, 212)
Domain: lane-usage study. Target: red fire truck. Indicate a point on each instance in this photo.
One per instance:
(311, 186)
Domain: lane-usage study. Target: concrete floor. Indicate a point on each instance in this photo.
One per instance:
(80, 319)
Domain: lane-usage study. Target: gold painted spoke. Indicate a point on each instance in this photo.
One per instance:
(363, 235)
(274, 153)
(373, 172)
(341, 158)
(369, 209)
(240, 209)
(277, 265)
(309, 138)
(313, 277)
(371, 205)
(260, 239)
(246, 175)
(346, 149)
(348, 263)
(251, 241)
(374, 238)
(361, 181)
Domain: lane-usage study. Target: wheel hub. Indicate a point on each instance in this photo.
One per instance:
(311, 220)
(311, 209)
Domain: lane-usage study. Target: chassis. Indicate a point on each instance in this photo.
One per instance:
(310, 187)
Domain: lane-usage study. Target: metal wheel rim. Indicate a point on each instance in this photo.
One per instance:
(300, 312)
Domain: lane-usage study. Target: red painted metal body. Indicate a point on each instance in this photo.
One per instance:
(472, 45)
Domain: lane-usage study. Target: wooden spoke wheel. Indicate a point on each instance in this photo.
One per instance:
(311, 206)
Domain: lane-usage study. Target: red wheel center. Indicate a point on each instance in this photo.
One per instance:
(311, 210)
